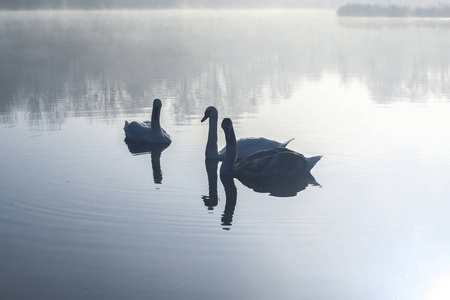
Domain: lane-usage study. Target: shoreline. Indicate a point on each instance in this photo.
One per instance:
(392, 11)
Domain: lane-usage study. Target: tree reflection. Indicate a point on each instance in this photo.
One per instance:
(155, 150)
(91, 64)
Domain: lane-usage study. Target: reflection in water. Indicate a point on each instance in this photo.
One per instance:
(139, 148)
(279, 186)
(212, 199)
(103, 63)
(231, 199)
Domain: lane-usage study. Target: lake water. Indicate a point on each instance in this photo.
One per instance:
(83, 218)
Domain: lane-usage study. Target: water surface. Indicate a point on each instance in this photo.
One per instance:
(83, 217)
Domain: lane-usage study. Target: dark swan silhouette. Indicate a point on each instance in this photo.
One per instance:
(148, 131)
(246, 146)
(275, 161)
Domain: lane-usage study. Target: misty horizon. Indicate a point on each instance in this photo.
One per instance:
(198, 4)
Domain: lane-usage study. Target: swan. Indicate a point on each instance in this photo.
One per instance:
(246, 146)
(147, 131)
(275, 161)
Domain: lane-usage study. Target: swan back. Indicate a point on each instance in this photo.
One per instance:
(276, 161)
(247, 146)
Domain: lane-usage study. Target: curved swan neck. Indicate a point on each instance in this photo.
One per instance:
(211, 145)
(155, 117)
(231, 152)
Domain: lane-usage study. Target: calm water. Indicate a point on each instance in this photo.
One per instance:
(83, 218)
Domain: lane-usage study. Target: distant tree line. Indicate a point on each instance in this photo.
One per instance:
(375, 10)
(85, 4)
(155, 4)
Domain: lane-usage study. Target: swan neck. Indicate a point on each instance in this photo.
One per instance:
(230, 154)
(211, 145)
(155, 119)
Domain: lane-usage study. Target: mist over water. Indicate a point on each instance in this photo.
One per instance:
(85, 215)
(98, 58)
(196, 4)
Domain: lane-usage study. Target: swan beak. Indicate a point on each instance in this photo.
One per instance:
(206, 116)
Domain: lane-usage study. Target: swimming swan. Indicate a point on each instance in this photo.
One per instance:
(276, 161)
(246, 146)
(148, 131)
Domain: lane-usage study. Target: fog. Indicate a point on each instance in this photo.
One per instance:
(167, 4)
(83, 218)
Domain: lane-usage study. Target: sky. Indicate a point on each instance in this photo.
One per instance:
(149, 4)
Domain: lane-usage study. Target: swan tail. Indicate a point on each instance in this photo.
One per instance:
(286, 143)
(126, 125)
(313, 160)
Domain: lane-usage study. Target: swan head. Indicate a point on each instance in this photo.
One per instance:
(227, 125)
(210, 111)
(157, 104)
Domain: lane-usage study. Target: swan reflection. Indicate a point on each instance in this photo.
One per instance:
(231, 199)
(279, 186)
(155, 150)
(212, 199)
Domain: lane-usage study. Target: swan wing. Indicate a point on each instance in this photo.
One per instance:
(164, 133)
(276, 161)
(247, 146)
(286, 143)
(313, 160)
(142, 132)
(137, 130)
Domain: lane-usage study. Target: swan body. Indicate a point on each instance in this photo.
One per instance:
(246, 146)
(148, 131)
(275, 161)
